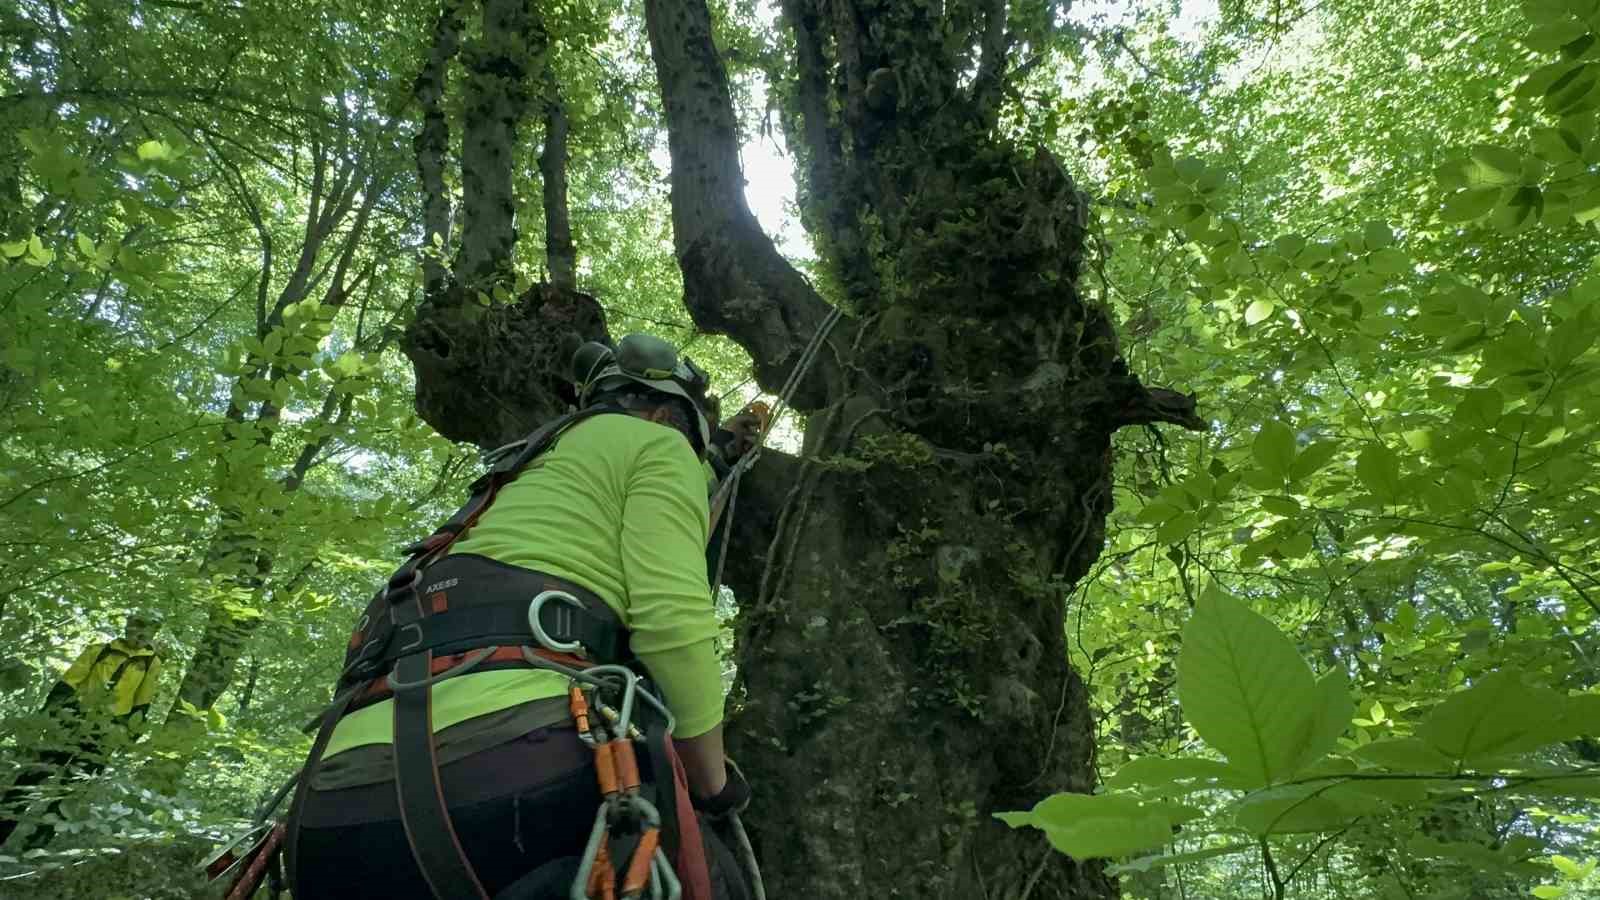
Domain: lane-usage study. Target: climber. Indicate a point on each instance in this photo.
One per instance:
(429, 780)
(100, 701)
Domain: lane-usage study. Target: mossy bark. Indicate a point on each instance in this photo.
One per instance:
(903, 670)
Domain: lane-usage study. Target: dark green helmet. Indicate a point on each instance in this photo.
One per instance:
(645, 360)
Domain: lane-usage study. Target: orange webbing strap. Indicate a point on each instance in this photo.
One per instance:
(245, 885)
(602, 878)
(605, 766)
(638, 877)
(579, 706)
(626, 763)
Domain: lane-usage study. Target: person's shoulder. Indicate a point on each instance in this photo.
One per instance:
(614, 430)
(628, 436)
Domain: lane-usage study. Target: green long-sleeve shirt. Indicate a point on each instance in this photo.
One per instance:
(619, 507)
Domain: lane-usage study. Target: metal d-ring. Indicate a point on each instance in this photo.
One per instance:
(535, 606)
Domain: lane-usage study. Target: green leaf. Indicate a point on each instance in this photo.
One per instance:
(1258, 311)
(1379, 469)
(1545, 12)
(1312, 458)
(1495, 166)
(1156, 513)
(38, 255)
(1247, 692)
(1296, 809)
(1497, 716)
(1480, 408)
(1178, 528)
(1553, 36)
(1568, 868)
(14, 249)
(1087, 826)
(1557, 145)
(1180, 774)
(1274, 447)
(1377, 235)
(1390, 261)
(1403, 755)
(1281, 506)
(1330, 717)
(1548, 891)
(1470, 205)
(151, 151)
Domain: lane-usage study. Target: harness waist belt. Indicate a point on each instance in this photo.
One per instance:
(473, 601)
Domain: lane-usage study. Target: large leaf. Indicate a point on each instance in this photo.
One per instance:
(1245, 689)
(1330, 717)
(1497, 716)
(1379, 469)
(1175, 775)
(1404, 755)
(1301, 808)
(1274, 447)
(1470, 204)
(1086, 826)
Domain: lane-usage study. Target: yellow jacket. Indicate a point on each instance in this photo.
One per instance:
(119, 678)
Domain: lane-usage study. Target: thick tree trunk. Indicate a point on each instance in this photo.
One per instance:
(902, 667)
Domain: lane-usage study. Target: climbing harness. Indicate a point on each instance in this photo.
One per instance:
(441, 616)
(410, 639)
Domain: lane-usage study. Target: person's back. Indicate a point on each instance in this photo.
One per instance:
(615, 513)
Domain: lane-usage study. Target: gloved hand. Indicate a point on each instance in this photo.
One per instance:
(743, 430)
(733, 798)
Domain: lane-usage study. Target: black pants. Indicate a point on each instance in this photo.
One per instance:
(523, 807)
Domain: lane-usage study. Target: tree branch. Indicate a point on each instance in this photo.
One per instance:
(735, 281)
(496, 102)
(432, 143)
(559, 251)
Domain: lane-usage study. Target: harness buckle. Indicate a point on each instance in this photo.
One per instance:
(566, 621)
(415, 643)
(395, 587)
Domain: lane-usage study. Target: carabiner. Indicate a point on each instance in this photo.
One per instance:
(591, 850)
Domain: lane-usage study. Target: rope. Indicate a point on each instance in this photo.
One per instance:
(731, 484)
(747, 856)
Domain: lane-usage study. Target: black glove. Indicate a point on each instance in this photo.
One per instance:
(733, 798)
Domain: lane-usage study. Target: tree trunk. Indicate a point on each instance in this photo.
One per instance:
(902, 665)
